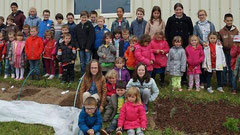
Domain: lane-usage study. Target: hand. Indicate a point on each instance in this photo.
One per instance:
(151, 62)
(86, 50)
(3, 56)
(10, 59)
(101, 109)
(204, 44)
(90, 132)
(78, 49)
(132, 49)
(162, 51)
(59, 63)
(73, 61)
(119, 128)
(104, 56)
(143, 129)
(158, 51)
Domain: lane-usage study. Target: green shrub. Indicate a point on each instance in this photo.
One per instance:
(232, 124)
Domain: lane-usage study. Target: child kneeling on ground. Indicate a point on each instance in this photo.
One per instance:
(113, 108)
(90, 120)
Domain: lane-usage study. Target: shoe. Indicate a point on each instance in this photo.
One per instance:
(119, 132)
(21, 79)
(210, 90)
(60, 76)
(220, 89)
(5, 77)
(16, 79)
(104, 132)
(51, 77)
(46, 75)
(189, 89)
(180, 89)
(202, 86)
(234, 92)
(12, 76)
(198, 89)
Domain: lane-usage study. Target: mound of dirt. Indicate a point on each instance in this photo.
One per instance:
(194, 118)
(27, 92)
(69, 101)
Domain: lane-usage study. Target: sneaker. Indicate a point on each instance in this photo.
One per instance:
(189, 89)
(46, 75)
(21, 79)
(51, 77)
(5, 76)
(104, 132)
(12, 76)
(220, 89)
(210, 90)
(198, 89)
(180, 89)
(234, 92)
(202, 86)
(119, 132)
(60, 76)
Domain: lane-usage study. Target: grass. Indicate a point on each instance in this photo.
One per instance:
(16, 128)
(165, 92)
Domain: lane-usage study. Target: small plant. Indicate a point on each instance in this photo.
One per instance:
(232, 124)
(172, 112)
(167, 131)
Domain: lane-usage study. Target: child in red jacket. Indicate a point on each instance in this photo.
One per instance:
(143, 53)
(111, 77)
(49, 54)
(2, 50)
(160, 48)
(132, 115)
(33, 50)
(195, 57)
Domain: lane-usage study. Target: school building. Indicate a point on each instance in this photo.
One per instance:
(215, 8)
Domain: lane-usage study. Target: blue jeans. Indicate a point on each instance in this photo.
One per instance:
(85, 58)
(227, 70)
(35, 64)
(113, 124)
(8, 67)
(81, 133)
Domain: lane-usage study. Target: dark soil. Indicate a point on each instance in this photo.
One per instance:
(194, 118)
(26, 92)
(69, 101)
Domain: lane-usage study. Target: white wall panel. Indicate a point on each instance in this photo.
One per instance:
(215, 8)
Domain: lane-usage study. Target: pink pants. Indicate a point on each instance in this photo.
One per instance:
(49, 66)
(195, 77)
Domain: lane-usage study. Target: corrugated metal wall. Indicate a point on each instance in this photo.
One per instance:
(215, 8)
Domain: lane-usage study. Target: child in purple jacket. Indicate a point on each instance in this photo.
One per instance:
(123, 73)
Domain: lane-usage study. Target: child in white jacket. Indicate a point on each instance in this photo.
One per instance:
(214, 61)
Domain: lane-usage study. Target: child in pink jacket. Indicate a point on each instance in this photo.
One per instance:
(195, 57)
(143, 52)
(132, 115)
(160, 48)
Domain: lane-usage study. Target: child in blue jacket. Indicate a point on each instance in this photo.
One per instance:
(90, 120)
(100, 30)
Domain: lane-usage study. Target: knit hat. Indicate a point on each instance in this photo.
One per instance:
(236, 38)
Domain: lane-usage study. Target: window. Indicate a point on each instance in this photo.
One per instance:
(103, 6)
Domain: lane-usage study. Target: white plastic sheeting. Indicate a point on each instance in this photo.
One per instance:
(64, 120)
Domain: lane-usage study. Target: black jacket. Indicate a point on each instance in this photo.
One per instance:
(66, 53)
(84, 36)
(179, 27)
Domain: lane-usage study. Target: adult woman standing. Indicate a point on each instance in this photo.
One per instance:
(33, 19)
(179, 25)
(201, 29)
